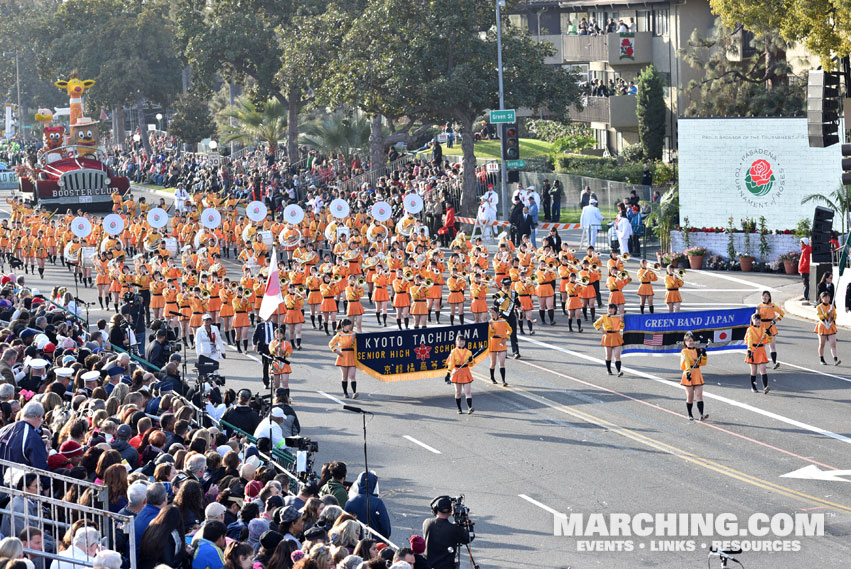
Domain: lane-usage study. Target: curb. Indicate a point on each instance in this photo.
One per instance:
(794, 307)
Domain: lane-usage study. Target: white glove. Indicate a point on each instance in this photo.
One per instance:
(19, 373)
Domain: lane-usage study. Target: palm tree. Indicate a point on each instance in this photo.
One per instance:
(254, 122)
(337, 132)
(839, 200)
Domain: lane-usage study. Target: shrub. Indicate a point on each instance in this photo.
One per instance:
(696, 252)
(551, 131)
(633, 153)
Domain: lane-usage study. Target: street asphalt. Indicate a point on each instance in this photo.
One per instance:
(566, 438)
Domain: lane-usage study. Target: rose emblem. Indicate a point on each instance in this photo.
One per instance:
(760, 178)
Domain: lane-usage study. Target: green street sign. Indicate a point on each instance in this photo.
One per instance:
(503, 116)
(515, 163)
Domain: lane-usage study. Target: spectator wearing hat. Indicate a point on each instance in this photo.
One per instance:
(122, 445)
(90, 380)
(20, 442)
(418, 547)
(270, 428)
(63, 376)
(73, 451)
(591, 222)
(114, 374)
(291, 524)
(35, 376)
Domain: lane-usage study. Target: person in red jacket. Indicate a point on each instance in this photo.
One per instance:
(804, 266)
(447, 232)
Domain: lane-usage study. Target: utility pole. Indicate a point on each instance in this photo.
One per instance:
(503, 173)
(18, 82)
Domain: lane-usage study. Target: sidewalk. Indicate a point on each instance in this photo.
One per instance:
(795, 307)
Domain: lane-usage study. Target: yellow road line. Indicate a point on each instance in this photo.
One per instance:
(672, 450)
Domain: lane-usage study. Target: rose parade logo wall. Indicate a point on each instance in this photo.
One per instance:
(627, 46)
(760, 178)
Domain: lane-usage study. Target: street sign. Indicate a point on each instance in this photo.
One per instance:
(443, 138)
(515, 163)
(503, 116)
(492, 166)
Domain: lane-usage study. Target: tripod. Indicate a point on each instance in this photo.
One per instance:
(473, 563)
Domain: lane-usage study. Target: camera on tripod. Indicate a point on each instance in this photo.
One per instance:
(461, 513)
(208, 371)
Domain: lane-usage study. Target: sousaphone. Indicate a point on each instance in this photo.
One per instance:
(205, 238)
(377, 233)
(290, 236)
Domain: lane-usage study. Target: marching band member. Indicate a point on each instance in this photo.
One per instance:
(379, 293)
(280, 350)
(328, 290)
(157, 287)
(294, 318)
(646, 276)
(826, 327)
(435, 293)
(507, 301)
(419, 292)
(616, 284)
(546, 293)
(564, 272)
(610, 325)
(588, 294)
(478, 294)
(595, 275)
(241, 307)
(691, 360)
(401, 299)
(769, 315)
(226, 312)
(102, 279)
(525, 290)
(756, 337)
(185, 310)
(314, 297)
(672, 288)
(574, 302)
(343, 344)
(458, 372)
(171, 310)
(354, 308)
(499, 330)
(456, 284)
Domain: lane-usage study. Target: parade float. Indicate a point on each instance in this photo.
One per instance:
(70, 170)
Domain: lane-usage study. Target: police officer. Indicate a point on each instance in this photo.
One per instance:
(506, 301)
(443, 537)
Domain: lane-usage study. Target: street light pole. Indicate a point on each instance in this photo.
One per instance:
(503, 173)
(18, 83)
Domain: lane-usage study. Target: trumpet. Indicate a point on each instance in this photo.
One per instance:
(552, 264)
(487, 278)
(361, 281)
(625, 257)
(584, 281)
(408, 274)
(300, 289)
(681, 273)
(594, 266)
(285, 281)
(623, 275)
(429, 283)
(205, 295)
(533, 279)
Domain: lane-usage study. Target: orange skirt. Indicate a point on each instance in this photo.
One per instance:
(616, 297)
(196, 319)
(456, 297)
(420, 307)
(240, 320)
(525, 302)
(328, 304)
(574, 302)
(354, 308)
(157, 301)
(611, 339)
(314, 297)
(185, 313)
(461, 375)
(379, 294)
(544, 290)
(294, 316)
(227, 309)
(756, 356)
(479, 305)
(215, 304)
(696, 378)
(169, 308)
(347, 359)
(401, 300)
(673, 296)
(102, 279)
(645, 289)
(114, 286)
(563, 286)
(823, 330)
(435, 292)
(588, 292)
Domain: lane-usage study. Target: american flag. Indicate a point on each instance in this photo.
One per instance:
(653, 339)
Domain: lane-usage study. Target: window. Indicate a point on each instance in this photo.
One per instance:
(660, 22)
(642, 21)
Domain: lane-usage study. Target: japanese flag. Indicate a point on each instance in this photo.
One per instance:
(272, 297)
(722, 336)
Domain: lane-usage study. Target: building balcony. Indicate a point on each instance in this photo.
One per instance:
(608, 112)
(614, 49)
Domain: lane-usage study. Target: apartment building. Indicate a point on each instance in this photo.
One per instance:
(657, 31)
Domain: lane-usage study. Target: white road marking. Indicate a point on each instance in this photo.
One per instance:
(540, 505)
(422, 444)
(721, 275)
(815, 371)
(708, 395)
(331, 397)
(813, 472)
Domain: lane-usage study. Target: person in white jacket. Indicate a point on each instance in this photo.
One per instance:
(591, 222)
(208, 340)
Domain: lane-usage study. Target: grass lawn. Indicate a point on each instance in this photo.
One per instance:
(572, 215)
(154, 187)
(529, 147)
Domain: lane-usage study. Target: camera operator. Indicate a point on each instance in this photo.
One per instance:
(118, 329)
(291, 427)
(442, 536)
(158, 351)
(134, 314)
(242, 416)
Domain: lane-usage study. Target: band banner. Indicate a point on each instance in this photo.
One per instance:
(662, 333)
(402, 355)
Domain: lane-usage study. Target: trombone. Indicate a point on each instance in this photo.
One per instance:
(681, 273)
(625, 257)
(534, 278)
(301, 289)
(429, 283)
(584, 281)
(408, 274)
(623, 275)
(361, 281)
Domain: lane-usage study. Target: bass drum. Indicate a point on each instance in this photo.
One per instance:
(171, 245)
(267, 237)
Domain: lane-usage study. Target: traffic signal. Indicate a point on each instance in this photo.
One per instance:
(822, 228)
(511, 142)
(823, 107)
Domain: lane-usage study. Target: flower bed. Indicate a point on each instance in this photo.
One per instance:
(715, 241)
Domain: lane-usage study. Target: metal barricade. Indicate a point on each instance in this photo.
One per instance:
(54, 516)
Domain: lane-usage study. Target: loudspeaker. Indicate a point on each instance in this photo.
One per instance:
(513, 176)
(821, 231)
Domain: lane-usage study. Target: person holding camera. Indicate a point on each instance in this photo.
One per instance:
(134, 314)
(158, 351)
(691, 360)
(118, 332)
(443, 537)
